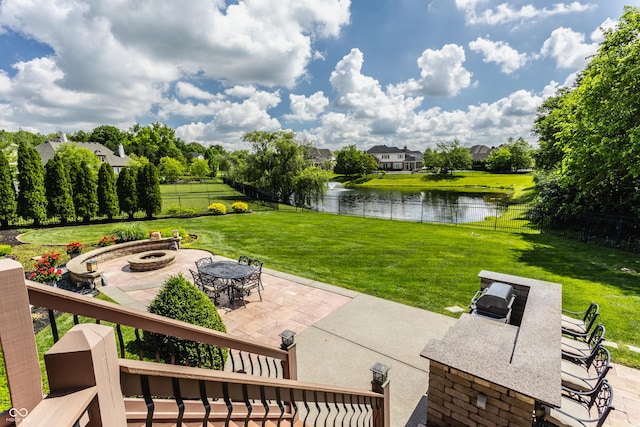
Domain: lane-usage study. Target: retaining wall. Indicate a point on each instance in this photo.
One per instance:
(77, 266)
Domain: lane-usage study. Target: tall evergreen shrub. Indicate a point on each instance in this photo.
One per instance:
(32, 202)
(179, 299)
(58, 191)
(107, 196)
(7, 193)
(148, 185)
(85, 195)
(127, 194)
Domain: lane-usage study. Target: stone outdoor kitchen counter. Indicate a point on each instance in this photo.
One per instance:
(523, 358)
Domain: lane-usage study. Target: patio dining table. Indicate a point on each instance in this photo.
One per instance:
(229, 272)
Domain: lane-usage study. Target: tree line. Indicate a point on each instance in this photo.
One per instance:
(74, 185)
(156, 143)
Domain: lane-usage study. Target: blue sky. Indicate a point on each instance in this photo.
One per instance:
(338, 72)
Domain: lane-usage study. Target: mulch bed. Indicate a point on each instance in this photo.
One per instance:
(9, 237)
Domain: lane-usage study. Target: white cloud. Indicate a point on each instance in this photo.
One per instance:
(568, 48)
(228, 119)
(306, 108)
(505, 13)
(441, 73)
(115, 61)
(499, 52)
(187, 90)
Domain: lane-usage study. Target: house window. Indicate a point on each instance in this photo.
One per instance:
(385, 156)
(401, 156)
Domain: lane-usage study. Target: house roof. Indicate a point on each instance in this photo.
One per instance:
(480, 152)
(379, 149)
(320, 154)
(47, 151)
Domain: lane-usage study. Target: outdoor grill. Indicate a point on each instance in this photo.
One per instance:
(494, 302)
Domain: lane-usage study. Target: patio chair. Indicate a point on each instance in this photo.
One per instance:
(579, 409)
(579, 322)
(581, 346)
(196, 279)
(244, 286)
(585, 374)
(203, 261)
(244, 260)
(212, 287)
(257, 276)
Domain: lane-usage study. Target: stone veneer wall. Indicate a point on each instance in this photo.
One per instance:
(77, 269)
(453, 394)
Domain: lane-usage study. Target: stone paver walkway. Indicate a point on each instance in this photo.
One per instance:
(340, 333)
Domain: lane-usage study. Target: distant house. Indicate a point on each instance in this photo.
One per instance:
(479, 154)
(396, 159)
(47, 151)
(321, 156)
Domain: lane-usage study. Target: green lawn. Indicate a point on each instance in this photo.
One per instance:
(423, 265)
(520, 186)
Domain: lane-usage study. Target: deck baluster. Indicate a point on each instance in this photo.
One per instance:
(227, 401)
(306, 407)
(205, 402)
(76, 321)
(54, 326)
(178, 397)
(146, 393)
(247, 402)
(120, 340)
(263, 399)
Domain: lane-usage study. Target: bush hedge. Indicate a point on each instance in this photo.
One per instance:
(5, 250)
(240, 207)
(218, 208)
(179, 299)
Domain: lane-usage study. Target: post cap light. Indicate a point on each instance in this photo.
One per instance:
(380, 373)
(287, 338)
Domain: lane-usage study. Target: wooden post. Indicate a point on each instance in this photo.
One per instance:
(86, 356)
(291, 367)
(18, 340)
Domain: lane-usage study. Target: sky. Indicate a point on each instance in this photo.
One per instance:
(337, 72)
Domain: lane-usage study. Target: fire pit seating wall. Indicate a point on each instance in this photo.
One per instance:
(77, 266)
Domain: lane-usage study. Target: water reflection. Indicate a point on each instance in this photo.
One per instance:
(412, 205)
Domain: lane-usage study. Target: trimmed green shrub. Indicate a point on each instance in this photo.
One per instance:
(240, 207)
(180, 211)
(179, 299)
(218, 209)
(129, 233)
(5, 250)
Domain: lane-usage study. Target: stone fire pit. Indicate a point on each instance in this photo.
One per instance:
(151, 260)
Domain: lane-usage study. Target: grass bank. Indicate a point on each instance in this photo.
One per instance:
(520, 186)
(423, 265)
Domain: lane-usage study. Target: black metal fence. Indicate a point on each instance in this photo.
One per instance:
(613, 231)
(492, 215)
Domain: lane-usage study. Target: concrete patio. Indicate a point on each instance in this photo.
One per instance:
(340, 333)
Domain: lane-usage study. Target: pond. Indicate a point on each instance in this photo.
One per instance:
(412, 205)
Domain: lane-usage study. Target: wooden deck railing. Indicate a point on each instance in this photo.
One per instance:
(249, 356)
(89, 382)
